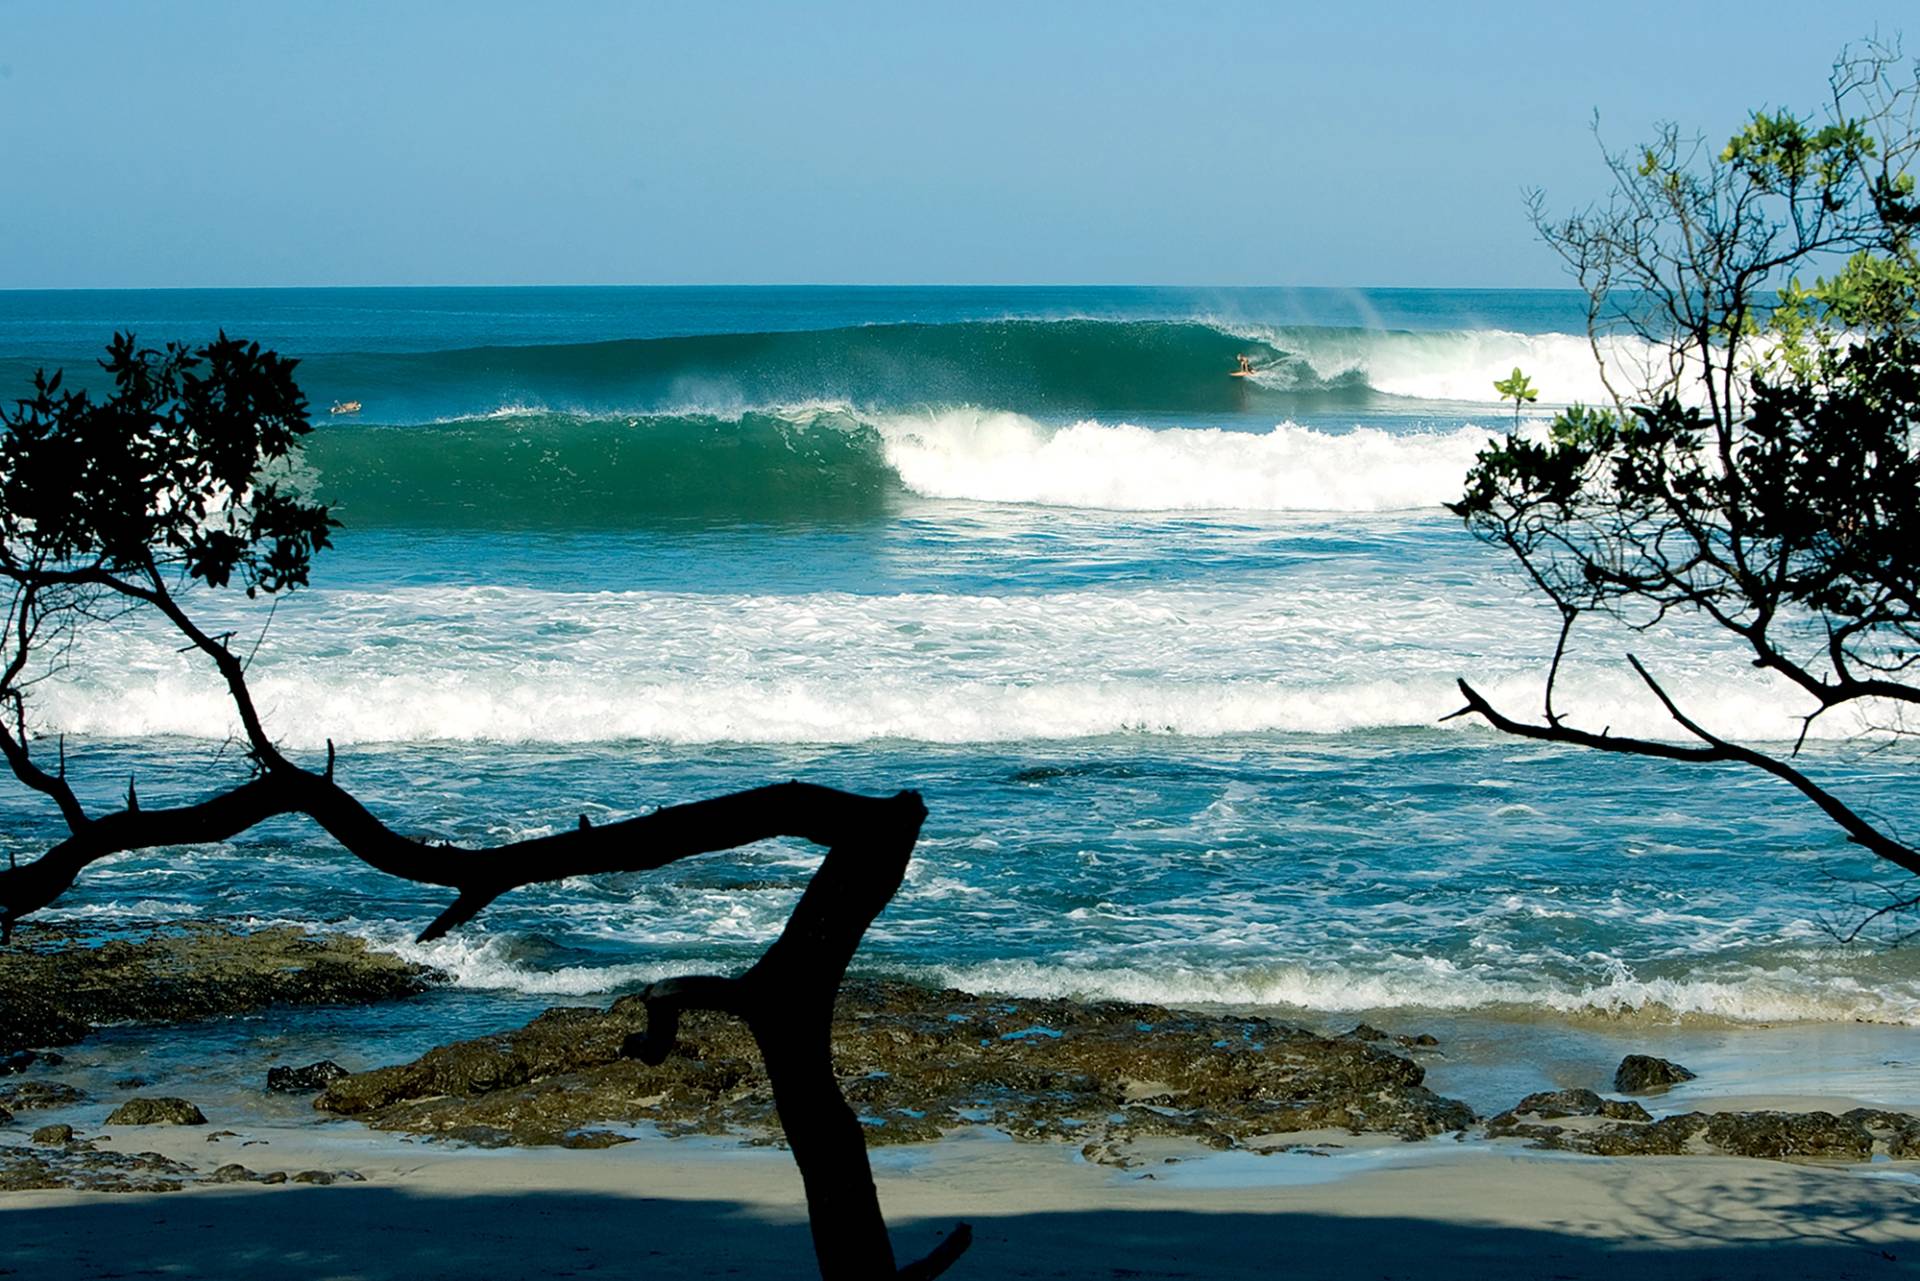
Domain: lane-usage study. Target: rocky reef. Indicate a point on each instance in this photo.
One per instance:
(60, 1159)
(54, 986)
(1775, 1136)
(915, 1064)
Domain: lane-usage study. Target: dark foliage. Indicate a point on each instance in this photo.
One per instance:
(1759, 469)
(165, 473)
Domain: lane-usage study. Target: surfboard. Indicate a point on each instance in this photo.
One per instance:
(1242, 373)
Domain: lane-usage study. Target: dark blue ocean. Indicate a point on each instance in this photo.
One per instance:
(1165, 649)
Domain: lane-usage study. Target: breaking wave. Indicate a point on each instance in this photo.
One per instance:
(534, 468)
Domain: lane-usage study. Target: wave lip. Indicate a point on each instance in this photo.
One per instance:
(1066, 366)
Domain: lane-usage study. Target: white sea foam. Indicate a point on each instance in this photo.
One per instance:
(515, 665)
(1463, 364)
(1753, 996)
(487, 962)
(1005, 457)
(1725, 993)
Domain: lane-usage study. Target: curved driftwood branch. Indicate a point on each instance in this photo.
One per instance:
(786, 998)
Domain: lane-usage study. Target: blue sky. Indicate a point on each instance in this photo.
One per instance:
(202, 144)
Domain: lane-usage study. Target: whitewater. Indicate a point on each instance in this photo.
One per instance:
(1168, 653)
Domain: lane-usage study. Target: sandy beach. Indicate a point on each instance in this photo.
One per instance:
(657, 1208)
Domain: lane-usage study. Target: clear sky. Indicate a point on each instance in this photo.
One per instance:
(256, 143)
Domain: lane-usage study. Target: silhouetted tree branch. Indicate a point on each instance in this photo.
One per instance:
(132, 501)
(1758, 467)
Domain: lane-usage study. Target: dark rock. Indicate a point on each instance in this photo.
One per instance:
(914, 1063)
(28, 1095)
(20, 1061)
(80, 1167)
(1421, 1041)
(53, 986)
(321, 1178)
(275, 1177)
(1899, 1131)
(1366, 1032)
(53, 1135)
(1642, 1074)
(1669, 1136)
(28, 1020)
(1772, 1136)
(233, 1173)
(594, 1139)
(310, 1079)
(156, 1110)
(1780, 1135)
(1550, 1105)
(6, 1117)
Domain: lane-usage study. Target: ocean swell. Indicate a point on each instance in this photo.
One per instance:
(825, 461)
(1050, 367)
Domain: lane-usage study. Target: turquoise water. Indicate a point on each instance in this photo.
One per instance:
(1165, 650)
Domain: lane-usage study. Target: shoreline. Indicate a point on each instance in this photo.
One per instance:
(660, 1208)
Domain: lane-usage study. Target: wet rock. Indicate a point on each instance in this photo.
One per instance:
(53, 986)
(156, 1110)
(232, 1173)
(310, 1079)
(590, 1139)
(21, 1060)
(29, 1095)
(6, 1117)
(53, 1135)
(1899, 1132)
(1103, 1152)
(326, 1178)
(1781, 1135)
(1775, 1136)
(27, 1020)
(82, 1168)
(914, 1064)
(1550, 1105)
(1669, 1136)
(276, 1177)
(1420, 1041)
(1366, 1032)
(1642, 1074)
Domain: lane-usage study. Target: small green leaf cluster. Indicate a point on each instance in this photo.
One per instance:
(1779, 152)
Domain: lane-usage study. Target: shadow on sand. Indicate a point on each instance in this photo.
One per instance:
(387, 1234)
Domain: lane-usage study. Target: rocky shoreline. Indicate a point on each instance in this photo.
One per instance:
(55, 987)
(917, 1064)
(1115, 1080)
